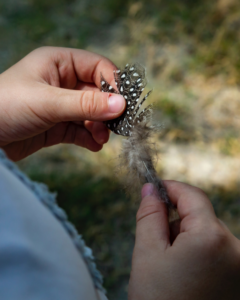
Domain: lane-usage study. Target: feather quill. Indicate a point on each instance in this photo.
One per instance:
(138, 152)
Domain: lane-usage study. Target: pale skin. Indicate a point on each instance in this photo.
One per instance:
(202, 263)
(52, 96)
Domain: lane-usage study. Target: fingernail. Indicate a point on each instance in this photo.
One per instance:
(116, 103)
(148, 189)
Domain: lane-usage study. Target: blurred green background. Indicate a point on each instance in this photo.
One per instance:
(191, 53)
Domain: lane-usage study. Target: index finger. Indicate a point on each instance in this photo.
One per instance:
(65, 67)
(89, 65)
(84, 65)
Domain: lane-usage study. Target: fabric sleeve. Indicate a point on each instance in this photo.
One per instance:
(38, 260)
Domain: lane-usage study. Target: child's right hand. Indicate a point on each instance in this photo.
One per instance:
(52, 96)
(203, 263)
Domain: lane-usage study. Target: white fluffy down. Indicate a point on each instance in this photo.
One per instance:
(137, 159)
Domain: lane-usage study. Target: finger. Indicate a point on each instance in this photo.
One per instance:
(61, 105)
(86, 87)
(24, 148)
(98, 130)
(88, 125)
(89, 66)
(70, 133)
(89, 87)
(152, 221)
(66, 66)
(100, 133)
(194, 207)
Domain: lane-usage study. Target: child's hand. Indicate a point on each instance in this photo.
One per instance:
(51, 96)
(203, 263)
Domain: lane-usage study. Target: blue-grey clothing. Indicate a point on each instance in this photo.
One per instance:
(41, 254)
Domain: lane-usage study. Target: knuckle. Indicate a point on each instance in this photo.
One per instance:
(199, 191)
(219, 237)
(214, 242)
(146, 209)
(89, 105)
(42, 49)
(84, 106)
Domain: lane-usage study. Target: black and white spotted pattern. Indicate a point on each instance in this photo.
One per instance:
(130, 83)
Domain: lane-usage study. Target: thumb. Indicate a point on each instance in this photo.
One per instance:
(152, 221)
(71, 105)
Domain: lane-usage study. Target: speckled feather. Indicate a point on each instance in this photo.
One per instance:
(130, 83)
(137, 156)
